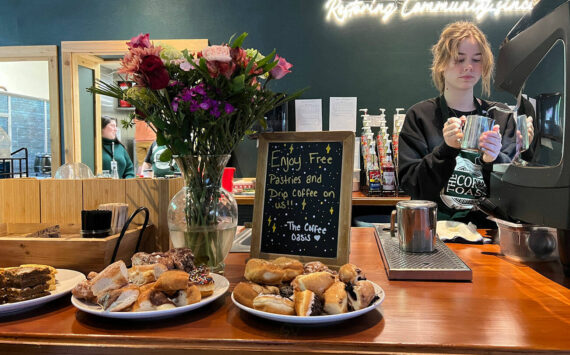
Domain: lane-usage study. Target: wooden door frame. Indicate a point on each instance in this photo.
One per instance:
(49, 54)
(71, 50)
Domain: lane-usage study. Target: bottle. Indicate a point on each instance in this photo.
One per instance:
(5, 151)
(388, 174)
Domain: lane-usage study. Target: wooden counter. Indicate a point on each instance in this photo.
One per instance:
(508, 308)
(358, 199)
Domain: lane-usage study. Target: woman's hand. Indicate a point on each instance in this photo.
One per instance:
(490, 144)
(452, 133)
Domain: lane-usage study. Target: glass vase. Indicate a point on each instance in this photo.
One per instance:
(202, 215)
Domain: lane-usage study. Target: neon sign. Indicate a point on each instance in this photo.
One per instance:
(341, 11)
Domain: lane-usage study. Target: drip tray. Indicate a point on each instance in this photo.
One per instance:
(442, 264)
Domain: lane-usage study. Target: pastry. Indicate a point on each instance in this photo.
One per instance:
(317, 266)
(307, 304)
(263, 272)
(26, 282)
(245, 292)
(317, 282)
(361, 294)
(177, 258)
(120, 299)
(171, 281)
(335, 299)
(151, 300)
(112, 277)
(274, 304)
(83, 291)
(188, 296)
(143, 274)
(291, 267)
(200, 277)
(350, 273)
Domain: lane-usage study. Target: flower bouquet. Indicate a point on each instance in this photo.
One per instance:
(200, 106)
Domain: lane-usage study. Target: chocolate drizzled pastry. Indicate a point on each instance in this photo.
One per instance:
(176, 258)
(286, 291)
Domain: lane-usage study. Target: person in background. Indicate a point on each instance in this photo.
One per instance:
(152, 161)
(432, 165)
(124, 163)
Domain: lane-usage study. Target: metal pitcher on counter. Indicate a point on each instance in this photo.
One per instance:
(417, 221)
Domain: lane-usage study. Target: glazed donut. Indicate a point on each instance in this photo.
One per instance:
(245, 292)
(291, 267)
(350, 273)
(317, 282)
(263, 272)
(307, 304)
(171, 281)
(274, 304)
(361, 294)
(335, 299)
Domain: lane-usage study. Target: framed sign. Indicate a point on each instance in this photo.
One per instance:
(303, 196)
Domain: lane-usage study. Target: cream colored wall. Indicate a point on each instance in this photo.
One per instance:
(25, 78)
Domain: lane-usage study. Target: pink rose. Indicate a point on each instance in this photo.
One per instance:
(153, 70)
(217, 53)
(139, 41)
(185, 66)
(281, 69)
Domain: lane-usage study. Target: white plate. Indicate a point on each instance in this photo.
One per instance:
(65, 282)
(221, 286)
(315, 319)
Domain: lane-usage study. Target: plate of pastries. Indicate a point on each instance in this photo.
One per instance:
(157, 285)
(30, 285)
(289, 291)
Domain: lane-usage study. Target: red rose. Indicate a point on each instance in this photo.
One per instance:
(154, 71)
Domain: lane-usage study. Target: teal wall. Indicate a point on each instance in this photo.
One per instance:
(384, 65)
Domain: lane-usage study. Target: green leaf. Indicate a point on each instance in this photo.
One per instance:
(239, 41)
(268, 58)
(160, 140)
(267, 67)
(238, 83)
(166, 155)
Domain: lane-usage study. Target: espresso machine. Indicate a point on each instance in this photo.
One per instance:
(533, 63)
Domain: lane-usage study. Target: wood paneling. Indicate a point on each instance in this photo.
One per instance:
(61, 201)
(99, 191)
(20, 200)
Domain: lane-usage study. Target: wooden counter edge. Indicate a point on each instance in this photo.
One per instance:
(103, 344)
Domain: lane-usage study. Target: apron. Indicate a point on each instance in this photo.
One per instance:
(466, 185)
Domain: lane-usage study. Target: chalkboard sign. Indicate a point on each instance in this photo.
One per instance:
(303, 196)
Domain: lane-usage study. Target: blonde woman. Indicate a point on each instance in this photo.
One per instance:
(431, 164)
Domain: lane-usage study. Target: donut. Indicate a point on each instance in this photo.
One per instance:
(274, 304)
(317, 282)
(201, 278)
(245, 292)
(350, 273)
(361, 294)
(291, 267)
(335, 297)
(263, 272)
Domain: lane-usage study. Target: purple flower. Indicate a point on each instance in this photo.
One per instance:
(205, 105)
(200, 89)
(194, 106)
(186, 95)
(175, 104)
(228, 108)
(215, 111)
